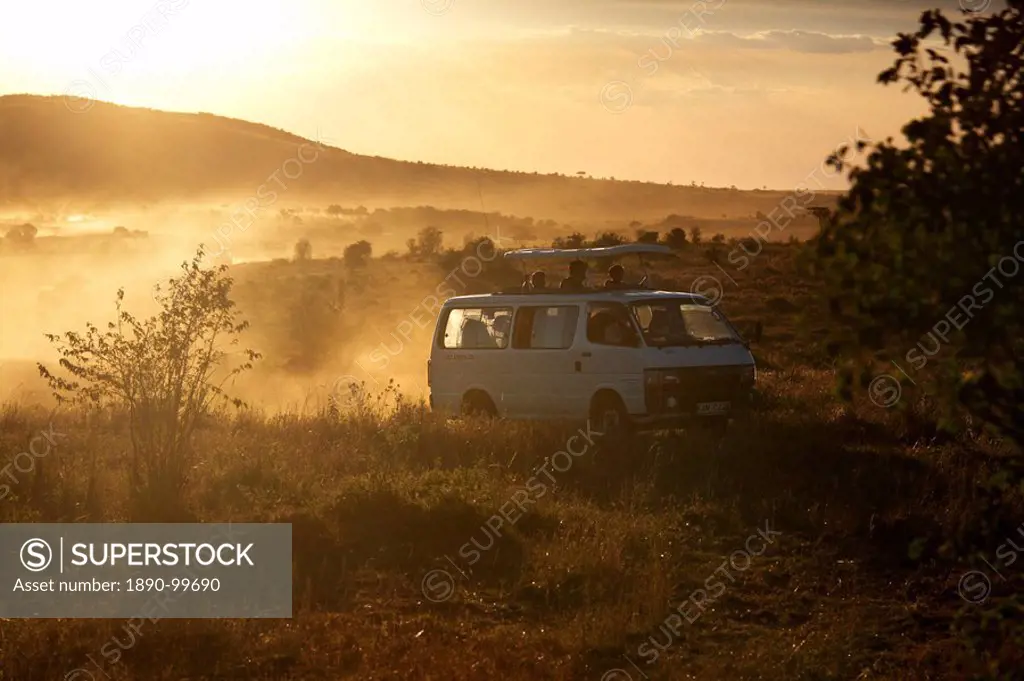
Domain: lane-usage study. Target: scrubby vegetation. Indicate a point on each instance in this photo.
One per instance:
(889, 528)
(163, 373)
(383, 493)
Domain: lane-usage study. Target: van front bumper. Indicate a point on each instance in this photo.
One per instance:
(685, 413)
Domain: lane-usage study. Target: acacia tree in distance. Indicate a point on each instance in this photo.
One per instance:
(164, 371)
(357, 254)
(931, 232)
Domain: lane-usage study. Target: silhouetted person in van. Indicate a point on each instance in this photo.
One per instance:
(615, 274)
(501, 327)
(539, 281)
(577, 279)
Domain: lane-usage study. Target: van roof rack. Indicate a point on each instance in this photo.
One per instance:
(559, 292)
(589, 253)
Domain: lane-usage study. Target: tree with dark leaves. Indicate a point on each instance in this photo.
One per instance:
(676, 239)
(357, 254)
(925, 253)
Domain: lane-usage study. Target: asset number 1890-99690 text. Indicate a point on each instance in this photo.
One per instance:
(175, 584)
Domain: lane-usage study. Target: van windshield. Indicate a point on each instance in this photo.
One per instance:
(670, 322)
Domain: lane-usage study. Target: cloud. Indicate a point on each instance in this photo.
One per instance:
(810, 42)
(643, 41)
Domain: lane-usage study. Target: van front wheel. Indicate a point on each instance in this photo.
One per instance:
(717, 426)
(609, 416)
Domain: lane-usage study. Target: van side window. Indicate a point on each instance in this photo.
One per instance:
(545, 327)
(477, 328)
(610, 324)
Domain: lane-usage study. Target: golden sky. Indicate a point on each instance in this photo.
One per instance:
(744, 92)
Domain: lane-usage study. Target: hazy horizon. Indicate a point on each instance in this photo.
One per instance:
(725, 92)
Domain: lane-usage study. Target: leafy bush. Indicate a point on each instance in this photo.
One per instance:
(358, 253)
(165, 371)
(928, 239)
(574, 240)
(478, 266)
(676, 238)
(609, 239)
(922, 254)
(428, 242)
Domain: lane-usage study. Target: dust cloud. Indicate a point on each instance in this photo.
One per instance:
(319, 323)
(321, 319)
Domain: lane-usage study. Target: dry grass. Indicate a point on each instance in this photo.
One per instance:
(382, 495)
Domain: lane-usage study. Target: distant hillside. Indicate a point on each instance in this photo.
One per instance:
(114, 154)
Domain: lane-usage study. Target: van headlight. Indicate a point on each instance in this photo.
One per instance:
(659, 378)
(654, 390)
(661, 390)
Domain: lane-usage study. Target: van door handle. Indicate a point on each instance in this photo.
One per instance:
(586, 354)
(579, 366)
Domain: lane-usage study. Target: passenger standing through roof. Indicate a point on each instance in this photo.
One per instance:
(615, 274)
(577, 279)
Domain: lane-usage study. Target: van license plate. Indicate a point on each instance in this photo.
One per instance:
(708, 408)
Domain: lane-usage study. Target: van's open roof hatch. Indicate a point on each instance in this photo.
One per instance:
(567, 254)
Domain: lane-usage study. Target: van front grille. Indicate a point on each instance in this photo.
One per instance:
(692, 385)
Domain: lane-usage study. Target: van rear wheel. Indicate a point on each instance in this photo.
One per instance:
(609, 416)
(478, 404)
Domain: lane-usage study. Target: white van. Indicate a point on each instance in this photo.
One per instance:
(621, 358)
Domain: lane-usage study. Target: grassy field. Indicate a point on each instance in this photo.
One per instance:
(827, 539)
